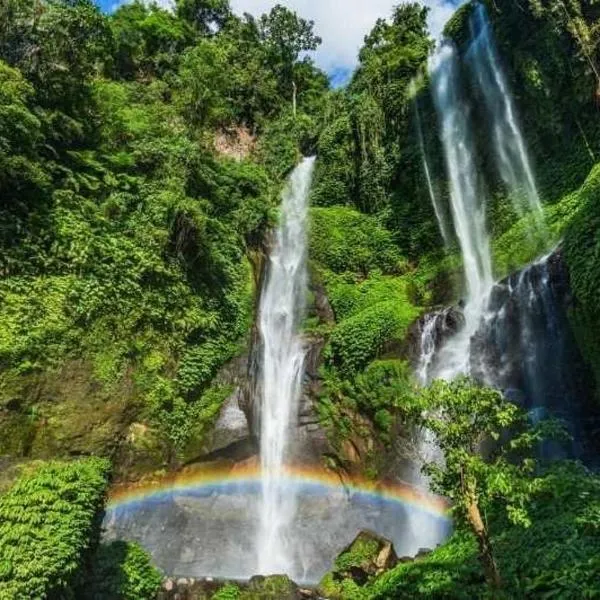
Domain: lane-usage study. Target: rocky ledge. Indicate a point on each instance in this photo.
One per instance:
(367, 557)
(275, 587)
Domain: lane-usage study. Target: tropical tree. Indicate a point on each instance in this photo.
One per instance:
(486, 443)
(285, 36)
(148, 40)
(206, 16)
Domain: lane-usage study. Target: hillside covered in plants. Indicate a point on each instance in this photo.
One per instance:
(143, 157)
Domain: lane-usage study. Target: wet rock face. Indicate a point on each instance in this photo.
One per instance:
(231, 437)
(525, 347)
(440, 325)
(188, 589)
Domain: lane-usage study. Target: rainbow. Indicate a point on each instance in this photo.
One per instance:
(246, 479)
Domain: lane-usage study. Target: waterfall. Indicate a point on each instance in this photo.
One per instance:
(467, 204)
(428, 347)
(437, 206)
(282, 309)
(509, 146)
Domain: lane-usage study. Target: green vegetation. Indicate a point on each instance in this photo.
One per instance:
(368, 157)
(372, 294)
(555, 557)
(49, 526)
(463, 416)
(229, 591)
(524, 529)
(122, 571)
(344, 240)
(140, 165)
(274, 587)
(582, 249)
(141, 158)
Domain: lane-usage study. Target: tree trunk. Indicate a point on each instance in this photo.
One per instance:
(486, 554)
(294, 101)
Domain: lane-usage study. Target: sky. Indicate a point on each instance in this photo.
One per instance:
(342, 24)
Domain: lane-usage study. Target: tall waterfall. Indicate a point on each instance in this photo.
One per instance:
(509, 146)
(435, 201)
(282, 309)
(467, 204)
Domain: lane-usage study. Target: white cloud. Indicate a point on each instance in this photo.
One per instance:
(343, 24)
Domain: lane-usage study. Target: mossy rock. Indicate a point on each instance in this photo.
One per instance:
(275, 587)
(368, 556)
(65, 412)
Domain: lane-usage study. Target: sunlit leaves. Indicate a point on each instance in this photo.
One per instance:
(48, 522)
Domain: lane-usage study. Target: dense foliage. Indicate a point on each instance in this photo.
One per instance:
(464, 416)
(49, 524)
(368, 158)
(373, 299)
(556, 557)
(140, 164)
(121, 571)
(141, 158)
(582, 249)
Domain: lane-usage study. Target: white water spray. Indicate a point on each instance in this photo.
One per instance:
(509, 146)
(428, 347)
(282, 309)
(467, 203)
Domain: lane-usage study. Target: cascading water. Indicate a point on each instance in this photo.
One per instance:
(428, 346)
(282, 309)
(467, 204)
(509, 146)
(435, 201)
(516, 335)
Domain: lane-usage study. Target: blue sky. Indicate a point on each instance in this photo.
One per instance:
(341, 23)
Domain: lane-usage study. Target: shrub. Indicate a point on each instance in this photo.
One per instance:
(556, 557)
(582, 249)
(361, 338)
(347, 299)
(122, 571)
(49, 521)
(344, 240)
(229, 591)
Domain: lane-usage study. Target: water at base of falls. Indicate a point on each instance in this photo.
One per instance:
(282, 309)
(210, 531)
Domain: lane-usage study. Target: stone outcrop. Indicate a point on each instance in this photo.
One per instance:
(368, 556)
(275, 587)
(525, 347)
(74, 414)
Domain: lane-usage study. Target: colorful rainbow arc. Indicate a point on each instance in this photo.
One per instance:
(319, 480)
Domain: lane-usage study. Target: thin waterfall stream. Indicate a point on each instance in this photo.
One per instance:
(512, 159)
(435, 201)
(467, 202)
(282, 308)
